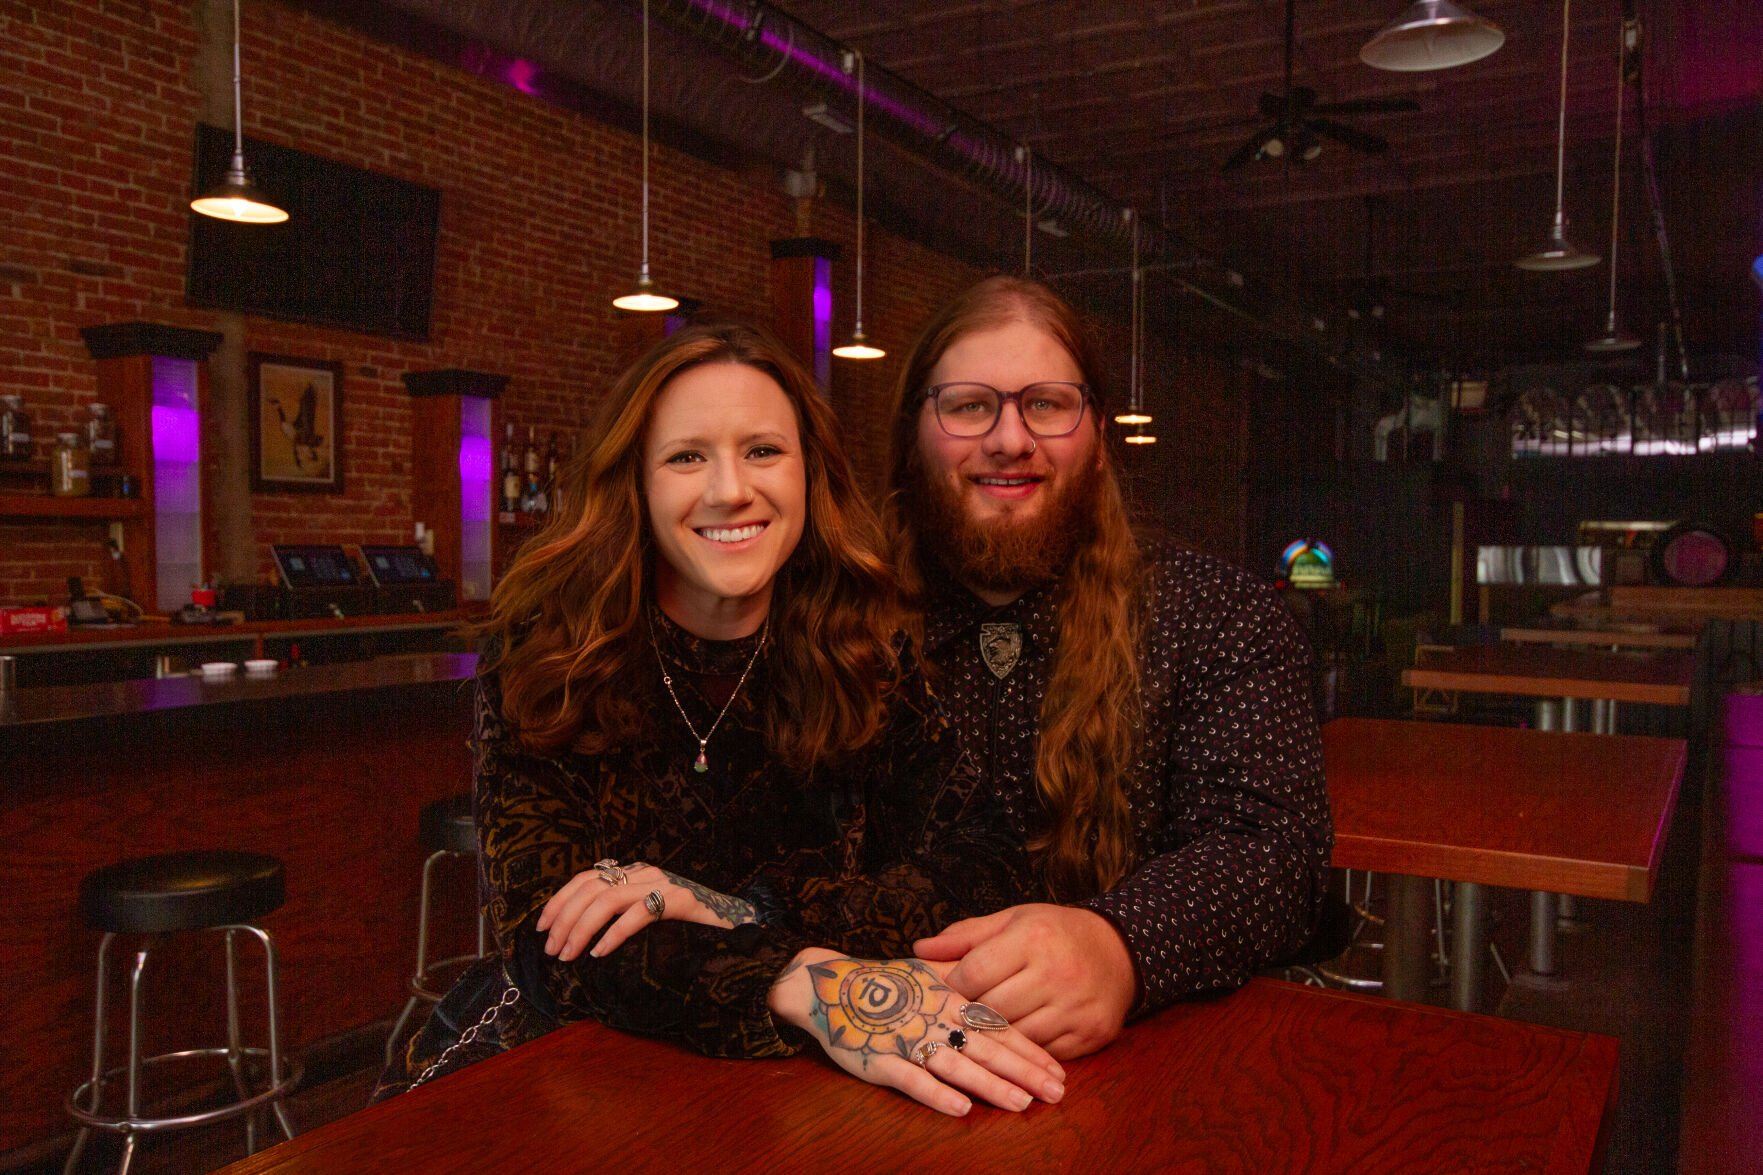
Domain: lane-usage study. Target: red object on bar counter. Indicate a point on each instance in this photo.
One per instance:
(16, 620)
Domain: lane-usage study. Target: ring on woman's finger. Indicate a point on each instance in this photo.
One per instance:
(983, 1018)
(923, 1052)
(656, 904)
(957, 1039)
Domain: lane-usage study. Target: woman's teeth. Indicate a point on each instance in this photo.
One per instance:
(737, 534)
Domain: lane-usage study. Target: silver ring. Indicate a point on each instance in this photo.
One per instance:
(1034, 443)
(610, 872)
(656, 904)
(923, 1052)
(983, 1018)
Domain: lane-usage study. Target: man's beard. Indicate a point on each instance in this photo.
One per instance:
(1003, 554)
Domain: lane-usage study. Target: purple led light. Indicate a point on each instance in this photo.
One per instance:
(177, 435)
(522, 75)
(823, 321)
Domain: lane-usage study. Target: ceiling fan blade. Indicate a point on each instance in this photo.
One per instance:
(1357, 139)
(1368, 106)
(1250, 149)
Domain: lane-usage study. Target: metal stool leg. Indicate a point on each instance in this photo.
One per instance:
(98, 1014)
(275, 1045)
(1543, 907)
(135, 974)
(234, 1058)
(1469, 926)
(422, 951)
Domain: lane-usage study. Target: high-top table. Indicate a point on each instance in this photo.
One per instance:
(1599, 637)
(1546, 811)
(1272, 1078)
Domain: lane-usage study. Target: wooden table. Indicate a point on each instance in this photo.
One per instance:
(1603, 638)
(1551, 812)
(1539, 672)
(1272, 1078)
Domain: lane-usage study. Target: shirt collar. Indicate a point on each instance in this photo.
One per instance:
(952, 611)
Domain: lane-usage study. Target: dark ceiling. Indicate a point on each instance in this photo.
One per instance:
(1146, 100)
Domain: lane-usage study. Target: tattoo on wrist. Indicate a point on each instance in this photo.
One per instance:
(731, 910)
(875, 1008)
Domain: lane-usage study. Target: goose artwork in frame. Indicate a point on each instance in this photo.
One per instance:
(296, 425)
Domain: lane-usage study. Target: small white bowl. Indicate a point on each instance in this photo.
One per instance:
(262, 668)
(218, 670)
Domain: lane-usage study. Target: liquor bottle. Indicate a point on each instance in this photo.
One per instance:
(15, 429)
(531, 464)
(510, 474)
(552, 460)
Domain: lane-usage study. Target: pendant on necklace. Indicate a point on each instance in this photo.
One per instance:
(702, 763)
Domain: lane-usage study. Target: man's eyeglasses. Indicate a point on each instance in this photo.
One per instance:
(1051, 409)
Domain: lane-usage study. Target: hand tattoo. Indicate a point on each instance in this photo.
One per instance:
(876, 1008)
(733, 911)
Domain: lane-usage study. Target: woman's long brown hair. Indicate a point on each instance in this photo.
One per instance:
(1090, 718)
(570, 637)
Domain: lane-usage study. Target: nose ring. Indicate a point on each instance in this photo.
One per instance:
(1034, 443)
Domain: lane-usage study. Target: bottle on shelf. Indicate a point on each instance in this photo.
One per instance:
(101, 435)
(552, 460)
(70, 469)
(511, 483)
(530, 462)
(15, 429)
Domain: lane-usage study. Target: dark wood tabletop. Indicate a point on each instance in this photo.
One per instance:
(1272, 1078)
(1539, 671)
(1600, 637)
(1582, 814)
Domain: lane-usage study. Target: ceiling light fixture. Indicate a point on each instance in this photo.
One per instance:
(1615, 339)
(644, 299)
(1559, 254)
(1432, 34)
(236, 198)
(1135, 413)
(859, 347)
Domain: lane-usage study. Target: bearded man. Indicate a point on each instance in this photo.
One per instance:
(1140, 712)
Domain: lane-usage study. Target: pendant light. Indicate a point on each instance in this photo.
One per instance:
(1559, 254)
(644, 299)
(1135, 413)
(1432, 34)
(1614, 339)
(859, 347)
(236, 198)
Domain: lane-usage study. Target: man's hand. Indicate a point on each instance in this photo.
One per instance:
(1059, 974)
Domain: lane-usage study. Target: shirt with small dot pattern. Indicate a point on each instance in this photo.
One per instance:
(1230, 813)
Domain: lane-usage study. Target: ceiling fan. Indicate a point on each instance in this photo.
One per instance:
(1298, 123)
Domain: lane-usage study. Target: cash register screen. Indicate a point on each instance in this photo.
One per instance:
(398, 565)
(315, 566)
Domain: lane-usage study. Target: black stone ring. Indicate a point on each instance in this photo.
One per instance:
(957, 1039)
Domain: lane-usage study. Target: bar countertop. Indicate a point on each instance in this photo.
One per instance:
(74, 703)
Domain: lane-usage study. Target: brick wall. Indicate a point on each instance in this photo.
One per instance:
(537, 233)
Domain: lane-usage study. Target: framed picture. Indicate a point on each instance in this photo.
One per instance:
(296, 424)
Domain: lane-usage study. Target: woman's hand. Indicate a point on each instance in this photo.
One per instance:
(874, 1017)
(589, 902)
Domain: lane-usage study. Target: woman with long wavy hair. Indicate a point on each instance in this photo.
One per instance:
(708, 771)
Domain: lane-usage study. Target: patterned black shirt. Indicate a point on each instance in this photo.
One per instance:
(1230, 814)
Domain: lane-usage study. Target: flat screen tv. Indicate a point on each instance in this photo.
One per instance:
(357, 250)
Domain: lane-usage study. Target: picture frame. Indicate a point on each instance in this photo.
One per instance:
(296, 409)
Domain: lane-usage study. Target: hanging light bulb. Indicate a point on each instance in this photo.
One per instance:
(1432, 34)
(1139, 436)
(1559, 253)
(859, 347)
(644, 299)
(1135, 413)
(1615, 340)
(236, 198)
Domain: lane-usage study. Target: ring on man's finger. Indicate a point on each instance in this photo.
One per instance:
(923, 1052)
(983, 1018)
(656, 904)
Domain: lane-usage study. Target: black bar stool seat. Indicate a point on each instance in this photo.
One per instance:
(182, 891)
(445, 826)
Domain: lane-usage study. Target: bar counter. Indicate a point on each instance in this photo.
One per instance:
(325, 767)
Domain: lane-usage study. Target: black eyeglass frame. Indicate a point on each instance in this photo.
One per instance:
(1086, 396)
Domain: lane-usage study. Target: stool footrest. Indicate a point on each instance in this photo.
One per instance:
(126, 1125)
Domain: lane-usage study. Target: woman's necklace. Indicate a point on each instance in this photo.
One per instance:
(702, 763)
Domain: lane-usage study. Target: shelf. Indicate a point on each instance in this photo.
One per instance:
(47, 506)
(520, 521)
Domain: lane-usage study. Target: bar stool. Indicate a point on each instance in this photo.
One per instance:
(163, 895)
(445, 829)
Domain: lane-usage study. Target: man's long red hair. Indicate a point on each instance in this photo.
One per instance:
(568, 625)
(1090, 717)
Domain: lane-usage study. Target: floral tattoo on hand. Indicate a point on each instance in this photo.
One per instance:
(876, 1008)
(731, 910)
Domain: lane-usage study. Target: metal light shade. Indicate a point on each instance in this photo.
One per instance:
(1432, 34)
(1559, 254)
(237, 199)
(859, 348)
(644, 299)
(1133, 416)
(1613, 340)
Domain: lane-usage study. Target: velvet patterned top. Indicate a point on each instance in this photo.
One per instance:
(861, 857)
(1229, 810)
